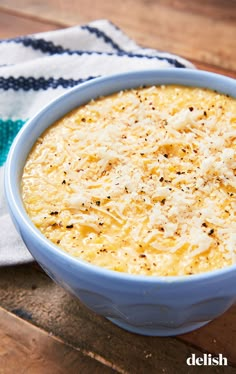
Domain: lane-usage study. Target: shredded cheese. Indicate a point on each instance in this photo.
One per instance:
(142, 181)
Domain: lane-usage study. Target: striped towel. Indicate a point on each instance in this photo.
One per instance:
(38, 68)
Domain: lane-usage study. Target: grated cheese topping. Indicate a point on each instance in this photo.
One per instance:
(142, 181)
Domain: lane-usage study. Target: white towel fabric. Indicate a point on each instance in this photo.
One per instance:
(38, 68)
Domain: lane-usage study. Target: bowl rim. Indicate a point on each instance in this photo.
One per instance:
(12, 189)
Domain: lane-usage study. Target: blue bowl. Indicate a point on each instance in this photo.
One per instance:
(148, 305)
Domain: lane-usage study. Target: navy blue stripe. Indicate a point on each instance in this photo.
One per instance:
(37, 44)
(50, 48)
(36, 84)
(102, 35)
(171, 61)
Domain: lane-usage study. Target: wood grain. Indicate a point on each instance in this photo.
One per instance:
(33, 296)
(22, 25)
(27, 349)
(195, 30)
(217, 336)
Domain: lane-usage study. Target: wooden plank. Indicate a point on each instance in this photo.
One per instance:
(193, 31)
(217, 9)
(32, 295)
(24, 25)
(13, 25)
(27, 349)
(214, 69)
(218, 336)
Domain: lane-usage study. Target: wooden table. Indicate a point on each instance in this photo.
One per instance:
(45, 330)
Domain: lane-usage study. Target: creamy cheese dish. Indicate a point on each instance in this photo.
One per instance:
(142, 181)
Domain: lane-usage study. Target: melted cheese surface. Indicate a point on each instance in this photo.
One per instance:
(142, 181)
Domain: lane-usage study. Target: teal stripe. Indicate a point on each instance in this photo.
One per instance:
(8, 131)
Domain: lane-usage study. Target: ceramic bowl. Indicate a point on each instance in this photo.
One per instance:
(148, 305)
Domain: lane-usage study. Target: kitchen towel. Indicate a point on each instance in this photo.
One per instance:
(36, 69)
